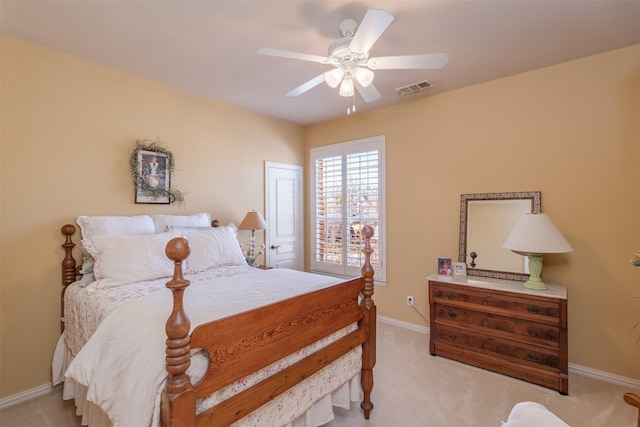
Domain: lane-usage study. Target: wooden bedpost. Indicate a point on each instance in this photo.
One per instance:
(633, 399)
(178, 407)
(69, 271)
(369, 322)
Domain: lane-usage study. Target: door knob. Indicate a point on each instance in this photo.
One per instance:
(274, 247)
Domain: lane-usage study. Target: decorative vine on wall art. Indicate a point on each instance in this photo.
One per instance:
(151, 167)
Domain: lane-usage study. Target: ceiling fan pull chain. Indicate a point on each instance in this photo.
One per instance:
(351, 104)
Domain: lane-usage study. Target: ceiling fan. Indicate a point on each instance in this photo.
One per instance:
(349, 56)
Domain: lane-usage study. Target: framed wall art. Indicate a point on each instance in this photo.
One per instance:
(151, 167)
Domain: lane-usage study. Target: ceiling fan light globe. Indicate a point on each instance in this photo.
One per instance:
(346, 87)
(364, 76)
(334, 77)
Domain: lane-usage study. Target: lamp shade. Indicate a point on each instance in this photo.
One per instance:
(253, 221)
(537, 234)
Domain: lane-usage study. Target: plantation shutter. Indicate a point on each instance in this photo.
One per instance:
(347, 192)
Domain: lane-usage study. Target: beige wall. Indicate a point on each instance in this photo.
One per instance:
(68, 129)
(571, 131)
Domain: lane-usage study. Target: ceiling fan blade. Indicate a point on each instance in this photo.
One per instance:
(427, 60)
(374, 23)
(306, 86)
(369, 93)
(292, 55)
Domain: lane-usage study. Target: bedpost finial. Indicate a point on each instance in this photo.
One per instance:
(367, 231)
(68, 229)
(178, 249)
(367, 269)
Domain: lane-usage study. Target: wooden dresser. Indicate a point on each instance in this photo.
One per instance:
(501, 326)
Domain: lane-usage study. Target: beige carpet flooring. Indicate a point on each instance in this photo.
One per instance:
(414, 389)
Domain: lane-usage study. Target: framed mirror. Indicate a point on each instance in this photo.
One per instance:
(486, 220)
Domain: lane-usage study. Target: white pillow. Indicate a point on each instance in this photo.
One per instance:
(532, 414)
(109, 225)
(215, 247)
(163, 222)
(121, 260)
(115, 225)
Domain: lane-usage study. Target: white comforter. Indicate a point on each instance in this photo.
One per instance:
(123, 364)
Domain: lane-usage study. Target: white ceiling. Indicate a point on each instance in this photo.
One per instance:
(209, 48)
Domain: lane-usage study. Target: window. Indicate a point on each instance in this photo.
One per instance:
(347, 193)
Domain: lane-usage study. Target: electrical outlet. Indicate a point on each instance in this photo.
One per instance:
(410, 300)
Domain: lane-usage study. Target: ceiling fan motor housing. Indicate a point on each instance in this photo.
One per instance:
(339, 53)
(340, 48)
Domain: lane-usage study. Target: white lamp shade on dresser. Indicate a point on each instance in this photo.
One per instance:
(536, 233)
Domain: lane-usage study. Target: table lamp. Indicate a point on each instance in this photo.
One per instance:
(535, 234)
(252, 221)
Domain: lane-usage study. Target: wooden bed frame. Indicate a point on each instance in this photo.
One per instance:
(241, 344)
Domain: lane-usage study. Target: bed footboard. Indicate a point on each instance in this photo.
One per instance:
(241, 344)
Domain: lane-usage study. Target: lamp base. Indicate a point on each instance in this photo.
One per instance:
(535, 271)
(537, 285)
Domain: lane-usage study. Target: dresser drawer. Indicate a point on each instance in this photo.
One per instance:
(542, 309)
(533, 332)
(504, 348)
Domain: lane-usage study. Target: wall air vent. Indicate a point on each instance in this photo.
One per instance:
(414, 88)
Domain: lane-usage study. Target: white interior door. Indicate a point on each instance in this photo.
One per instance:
(285, 248)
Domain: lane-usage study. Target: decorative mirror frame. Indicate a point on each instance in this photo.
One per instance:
(536, 207)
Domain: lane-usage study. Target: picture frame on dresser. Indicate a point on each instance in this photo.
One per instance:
(444, 267)
(459, 269)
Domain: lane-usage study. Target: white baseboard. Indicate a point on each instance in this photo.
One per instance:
(25, 395)
(403, 324)
(630, 383)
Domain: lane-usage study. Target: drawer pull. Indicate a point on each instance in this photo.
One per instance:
(533, 357)
(451, 295)
(533, 332)
(533, 309)
(453, 315)
(453, 337)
